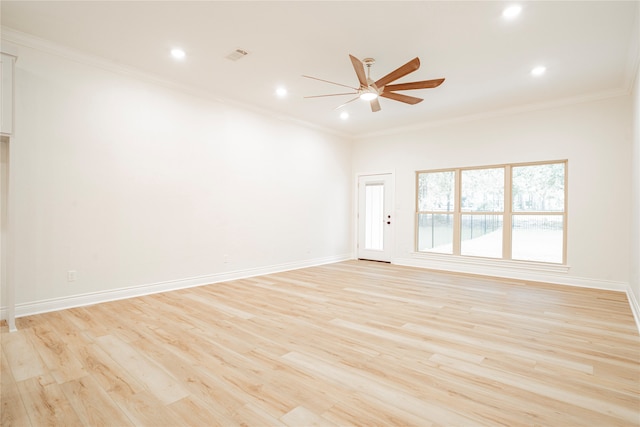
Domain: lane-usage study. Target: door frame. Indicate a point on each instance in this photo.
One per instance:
(392, 209)
(6, 259)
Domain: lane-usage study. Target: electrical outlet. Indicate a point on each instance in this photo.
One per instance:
(71, 276)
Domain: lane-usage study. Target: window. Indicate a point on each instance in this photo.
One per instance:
(538, 212)
(436, 195)
(508, 212)
(482, 208)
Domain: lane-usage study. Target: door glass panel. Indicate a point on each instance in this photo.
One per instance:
(374, 221)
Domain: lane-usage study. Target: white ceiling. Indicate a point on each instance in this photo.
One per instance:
(588, 48)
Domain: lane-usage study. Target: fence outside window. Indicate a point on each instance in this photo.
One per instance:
(513, 211)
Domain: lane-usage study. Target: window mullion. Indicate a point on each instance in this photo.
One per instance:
(457, 216)
(416, 234)
(507, 219)
(565, 213)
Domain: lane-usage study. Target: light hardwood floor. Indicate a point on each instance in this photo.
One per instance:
(353, 343)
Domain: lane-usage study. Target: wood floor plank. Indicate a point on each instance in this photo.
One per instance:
(107, 372)
(349, 344)
(84, 320)
(46, 404)
(93, 404)
(252, 415)
(203, 382)
(61, 362)
(23, 359)
(12, 409)
(144, 409)
(378, 390)
(162, 385)
(301, 416)
(359, 409)
(194, 412)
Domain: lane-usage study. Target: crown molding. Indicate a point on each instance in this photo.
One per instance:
(30, 41)
(17, 39)
(498, 113)
(629, 81)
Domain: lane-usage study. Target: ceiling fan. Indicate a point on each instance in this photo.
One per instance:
(370, 90)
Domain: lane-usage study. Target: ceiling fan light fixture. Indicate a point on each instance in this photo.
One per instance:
(368, 96)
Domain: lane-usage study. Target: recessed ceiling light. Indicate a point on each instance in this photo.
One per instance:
(538, 71)
(512, 11)
(178, 54)
(281, 92)
(344, 115)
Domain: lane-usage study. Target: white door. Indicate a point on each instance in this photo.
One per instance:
(375, 222)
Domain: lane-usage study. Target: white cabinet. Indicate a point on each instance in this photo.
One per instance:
(6, 93)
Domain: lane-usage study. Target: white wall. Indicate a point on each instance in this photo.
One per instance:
(593, 136)
(132, 184)
(139, 187)
(634, 279)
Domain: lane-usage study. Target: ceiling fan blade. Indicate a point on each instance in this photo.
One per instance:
(331, 94)
(351, 100)
(327, 81)
(402, 71)
(359, 68)
(424, 84)
(375, 105)
(402, 98)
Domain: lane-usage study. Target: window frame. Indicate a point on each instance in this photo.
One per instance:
(508, 212)
(456, 208)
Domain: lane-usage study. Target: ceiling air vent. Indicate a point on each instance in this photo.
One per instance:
(237, 54)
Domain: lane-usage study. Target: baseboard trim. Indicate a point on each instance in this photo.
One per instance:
(527, 272)
(55, 304)
(635, 306)
(517, 271)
